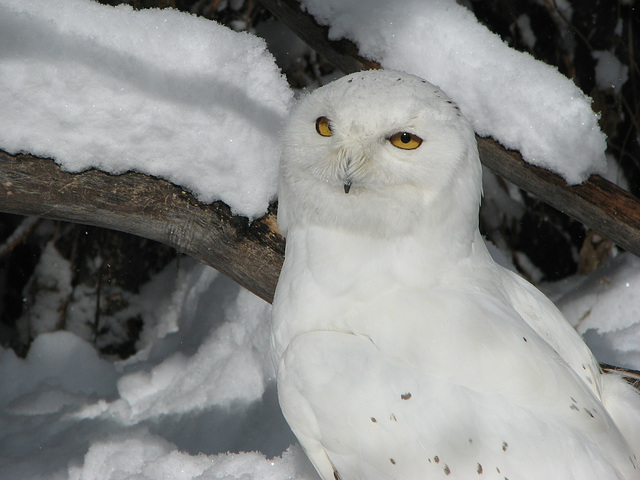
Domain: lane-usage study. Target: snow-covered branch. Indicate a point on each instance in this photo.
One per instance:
(342, 53)
(194, 106)
(597, 203)
(250, 254)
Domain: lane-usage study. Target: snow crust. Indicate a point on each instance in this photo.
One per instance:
(156, 91)
(525, 104)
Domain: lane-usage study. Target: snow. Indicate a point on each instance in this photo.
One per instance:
(201, 386)
(524, 25)
(156, 91)
(179, 97)
(611, 74)
(605, 309)
(53, 284)
(523, 103)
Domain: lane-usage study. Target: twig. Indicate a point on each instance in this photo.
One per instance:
(21, 232)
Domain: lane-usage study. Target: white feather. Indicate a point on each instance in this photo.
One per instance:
(403, 351)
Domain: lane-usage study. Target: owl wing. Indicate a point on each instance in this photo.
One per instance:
(621, 400)
(361, 415)
(548, 322)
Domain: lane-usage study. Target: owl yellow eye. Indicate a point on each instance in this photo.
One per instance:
(405, 140)
(323, 126)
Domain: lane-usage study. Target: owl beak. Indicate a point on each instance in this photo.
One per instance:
(347, 180)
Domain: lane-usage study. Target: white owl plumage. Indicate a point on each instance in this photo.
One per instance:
(403, 351)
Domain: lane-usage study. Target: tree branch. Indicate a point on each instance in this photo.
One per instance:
(597, 203)
(250, 254)
(343, 53)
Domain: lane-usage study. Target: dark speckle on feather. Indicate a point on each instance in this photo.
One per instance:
(405, 396)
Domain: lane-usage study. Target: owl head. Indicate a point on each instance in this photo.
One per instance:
(379, 152)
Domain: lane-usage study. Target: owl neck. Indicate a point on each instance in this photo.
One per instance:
(400, 229)
(438, 244)
(329, 269)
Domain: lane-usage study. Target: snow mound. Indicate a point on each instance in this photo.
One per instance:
(156, 91)
(525, 104)
(605, 309)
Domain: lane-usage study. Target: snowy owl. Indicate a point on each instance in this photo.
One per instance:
(403, 351)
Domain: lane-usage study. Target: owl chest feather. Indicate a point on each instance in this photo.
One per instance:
(429, 309)
(379, 319)
(330, 280)
(403, 351)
